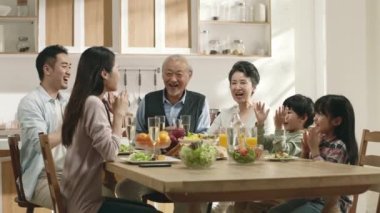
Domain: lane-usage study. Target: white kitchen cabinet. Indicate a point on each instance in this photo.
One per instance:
(18, 25)
(234, 27)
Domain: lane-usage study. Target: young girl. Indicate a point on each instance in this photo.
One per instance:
(89, 136)
(332, 139)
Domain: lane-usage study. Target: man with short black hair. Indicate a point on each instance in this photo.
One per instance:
(41, 111)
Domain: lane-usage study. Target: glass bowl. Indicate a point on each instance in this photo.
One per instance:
(243, 154)
(198, 155)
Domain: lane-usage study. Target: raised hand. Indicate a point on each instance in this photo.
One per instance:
(305, 149)
(313, 140)
(260, 112)
(279, 117)
(120, 104)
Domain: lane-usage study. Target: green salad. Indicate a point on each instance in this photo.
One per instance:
(243, 155)
(126, 148)
(140, 156)
(198, 155)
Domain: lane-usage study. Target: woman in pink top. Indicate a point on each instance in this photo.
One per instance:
(90, 137)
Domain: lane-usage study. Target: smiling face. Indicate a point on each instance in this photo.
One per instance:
(325, 124)
(293, 122)
(176, 75)
(241, 87)
(57, 74)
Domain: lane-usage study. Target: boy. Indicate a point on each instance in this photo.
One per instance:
(291, 119)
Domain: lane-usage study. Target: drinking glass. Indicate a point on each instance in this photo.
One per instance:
(231, 138)
(251, 137)
(223, 138)
(186, 120)
(130, 128)
(154, 129)
(162, 121)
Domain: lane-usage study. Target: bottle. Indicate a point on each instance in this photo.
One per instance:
(204, 49)
(22, 7)
(239, 128)
(23, 44)
(260, 12)
(241, 11)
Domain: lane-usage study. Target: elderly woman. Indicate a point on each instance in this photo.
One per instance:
(243, 79)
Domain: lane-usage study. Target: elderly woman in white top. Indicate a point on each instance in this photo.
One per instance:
(243, 79)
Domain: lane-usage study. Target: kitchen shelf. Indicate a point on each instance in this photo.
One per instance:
(253, 37)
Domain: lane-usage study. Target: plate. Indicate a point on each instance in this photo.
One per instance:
(125, 153)
(272, 158)
(167, 159)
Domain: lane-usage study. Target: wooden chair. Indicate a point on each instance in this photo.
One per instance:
(368, 160)
(13, 141)
(55, 191)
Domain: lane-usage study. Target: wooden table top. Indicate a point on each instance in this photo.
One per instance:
(227, 180)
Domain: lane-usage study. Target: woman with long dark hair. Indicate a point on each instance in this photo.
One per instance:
(90, 136)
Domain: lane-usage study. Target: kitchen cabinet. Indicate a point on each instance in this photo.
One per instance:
(19, 27)
(156, 26)
(76, 24)
(234, 27)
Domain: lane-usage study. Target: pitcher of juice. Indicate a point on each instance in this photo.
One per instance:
(251, 137)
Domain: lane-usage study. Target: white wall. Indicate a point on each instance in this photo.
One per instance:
(18, 74)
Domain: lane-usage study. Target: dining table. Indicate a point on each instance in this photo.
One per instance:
(226, 180)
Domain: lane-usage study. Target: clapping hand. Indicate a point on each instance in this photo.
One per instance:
(279, 117)
(313, 139)
(120, 104)
(260, 112)
(305, 152)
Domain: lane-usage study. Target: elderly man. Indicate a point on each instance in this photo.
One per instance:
(42, 111)
(174, 100)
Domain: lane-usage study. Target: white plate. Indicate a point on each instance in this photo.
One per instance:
(272, 158)
(167, 159)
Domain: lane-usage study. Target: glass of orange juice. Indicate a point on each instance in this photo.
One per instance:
(223, 138)
(251, 138)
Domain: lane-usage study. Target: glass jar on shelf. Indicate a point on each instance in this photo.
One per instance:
(22, 8)
(214, 47)
(238, 47)
(241, 11)
(23, 44)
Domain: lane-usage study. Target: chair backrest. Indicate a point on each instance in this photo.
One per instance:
(55, 191)
(367, 160)
(13, 141)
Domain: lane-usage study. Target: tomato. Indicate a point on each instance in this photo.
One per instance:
(243, 151)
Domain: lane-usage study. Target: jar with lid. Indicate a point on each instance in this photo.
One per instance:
(22, 8)
(23, 44)
(241, 11)
(214, 47)
(239, 48)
